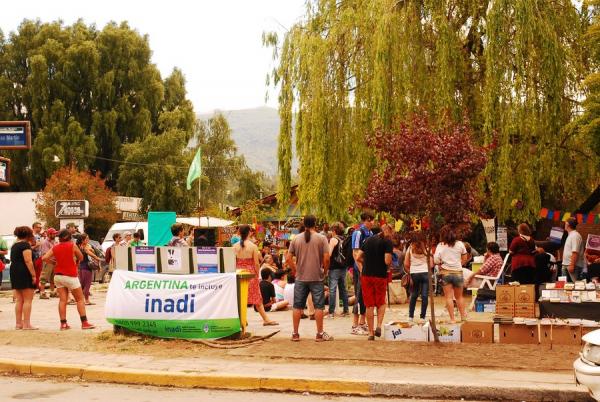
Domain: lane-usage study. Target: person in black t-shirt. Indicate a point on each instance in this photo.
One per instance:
(376, 258)
(267, 291)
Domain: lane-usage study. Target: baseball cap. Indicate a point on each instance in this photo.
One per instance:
(52, 231)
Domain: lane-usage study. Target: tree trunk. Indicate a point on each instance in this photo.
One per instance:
(431, 295)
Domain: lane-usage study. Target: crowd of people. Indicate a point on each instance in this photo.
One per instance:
(61, 260)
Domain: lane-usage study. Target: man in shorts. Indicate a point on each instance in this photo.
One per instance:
(311, 250)
(358, 238)
(376, 258)
(48, 266)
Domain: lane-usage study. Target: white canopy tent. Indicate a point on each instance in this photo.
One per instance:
(204, 221)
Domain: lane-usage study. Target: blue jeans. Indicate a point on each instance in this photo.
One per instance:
(420, 285)
(337, 277)
(301, 291)
(359, 305)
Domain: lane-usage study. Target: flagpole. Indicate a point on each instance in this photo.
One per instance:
(199, 202)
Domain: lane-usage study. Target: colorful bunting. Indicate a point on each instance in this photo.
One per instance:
(558, 216)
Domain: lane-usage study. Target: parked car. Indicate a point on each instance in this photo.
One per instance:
(587, 366)
(5, 285)
(102, 275)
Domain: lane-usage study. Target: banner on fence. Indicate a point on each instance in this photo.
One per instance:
(174, 306)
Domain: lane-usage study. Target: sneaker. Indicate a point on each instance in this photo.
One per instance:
(87, 325)
(411, 319)
(64, 326)
(323, 336)
(44, 296)
(295, 337)
(345, 314)
(364, 327)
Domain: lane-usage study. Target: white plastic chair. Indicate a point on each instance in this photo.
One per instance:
(488, 281)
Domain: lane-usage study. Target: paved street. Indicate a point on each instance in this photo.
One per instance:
(33, 389)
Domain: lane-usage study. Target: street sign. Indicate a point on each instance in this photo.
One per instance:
(4, 172)
(15, 135)
(72, 209)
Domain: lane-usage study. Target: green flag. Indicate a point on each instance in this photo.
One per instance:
(195, 169)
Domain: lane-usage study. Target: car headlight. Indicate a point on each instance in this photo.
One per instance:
(591, 353)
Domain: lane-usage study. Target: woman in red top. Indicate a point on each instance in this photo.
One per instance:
(522, 250)
(66, 279)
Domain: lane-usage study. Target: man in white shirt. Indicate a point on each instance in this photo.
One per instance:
(572, 262)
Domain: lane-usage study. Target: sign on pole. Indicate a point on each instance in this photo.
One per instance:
(15, 135)
(4, 172)
(174, 306)
(72, 209)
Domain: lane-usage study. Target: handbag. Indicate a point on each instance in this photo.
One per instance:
(93, 265)
(406, 281)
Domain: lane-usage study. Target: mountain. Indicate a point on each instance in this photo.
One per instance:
(255, 133)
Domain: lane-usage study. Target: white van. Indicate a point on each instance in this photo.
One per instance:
(123, 227)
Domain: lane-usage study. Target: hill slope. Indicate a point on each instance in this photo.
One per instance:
(255, 133)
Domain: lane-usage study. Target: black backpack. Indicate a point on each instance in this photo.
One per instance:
(347, 252)
(338, 253)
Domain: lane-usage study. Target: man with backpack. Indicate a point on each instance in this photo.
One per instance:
(359, 326)
(337, 270)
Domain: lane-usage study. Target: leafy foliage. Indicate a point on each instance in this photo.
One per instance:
(69, 183)
(426, 171)
(514, 67)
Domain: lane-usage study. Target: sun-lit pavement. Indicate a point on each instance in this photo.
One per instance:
(45, 317)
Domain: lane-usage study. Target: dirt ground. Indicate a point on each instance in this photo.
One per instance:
(491, 356)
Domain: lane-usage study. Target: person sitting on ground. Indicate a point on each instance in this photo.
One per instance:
(492, 265)
(267, 290)
(268, 263)
(279, 284)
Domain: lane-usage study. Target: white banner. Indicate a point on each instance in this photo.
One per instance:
(502, 238)
(489, 226)
(174, 306)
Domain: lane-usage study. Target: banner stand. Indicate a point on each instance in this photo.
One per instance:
(191, 261)
(158, 261)
(221, 261)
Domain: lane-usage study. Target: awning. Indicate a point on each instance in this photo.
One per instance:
(205, 221)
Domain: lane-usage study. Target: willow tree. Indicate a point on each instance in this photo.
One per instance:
(351, 67)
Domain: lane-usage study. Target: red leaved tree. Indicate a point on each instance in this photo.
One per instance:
(68, 183)
(426, 172)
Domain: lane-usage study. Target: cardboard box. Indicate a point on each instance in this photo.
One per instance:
(398, 331)
(507, 310)
(526, 310)
(560, 335)
(477, 332)
(525, 294)
(447, 333)
(505, 294)
(519, 333)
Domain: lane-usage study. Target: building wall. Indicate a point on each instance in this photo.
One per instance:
(16, 209)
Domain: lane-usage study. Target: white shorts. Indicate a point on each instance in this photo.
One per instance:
(69, 282)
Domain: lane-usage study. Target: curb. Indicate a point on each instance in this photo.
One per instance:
(180, 379)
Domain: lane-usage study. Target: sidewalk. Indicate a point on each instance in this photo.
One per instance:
(400, 381)
(349, 365)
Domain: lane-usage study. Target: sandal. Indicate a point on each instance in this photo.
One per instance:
(270, 323)
(90, 304)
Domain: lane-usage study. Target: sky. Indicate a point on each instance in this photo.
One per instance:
(216, 43)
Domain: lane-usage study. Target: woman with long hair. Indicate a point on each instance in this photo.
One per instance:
(451, 254)
(86, 273)
(522, 250)
(22, 277)
(247, 259)
(415, 263)
(66, 279)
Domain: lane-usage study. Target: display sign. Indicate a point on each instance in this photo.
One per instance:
(502, 238)
(4, 172)
(208, 261)
(593, 242)
(489, 226)
(174, 306)
(75, 209)
(15, 135)
(556, 234)
(174, 260)
(145, 259)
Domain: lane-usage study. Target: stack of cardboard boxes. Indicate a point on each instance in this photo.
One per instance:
(515, 301)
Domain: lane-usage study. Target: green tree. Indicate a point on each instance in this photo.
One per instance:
(156, 170)
(220, 162)
(513, 68)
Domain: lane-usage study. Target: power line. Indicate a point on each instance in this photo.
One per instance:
(148, 164)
